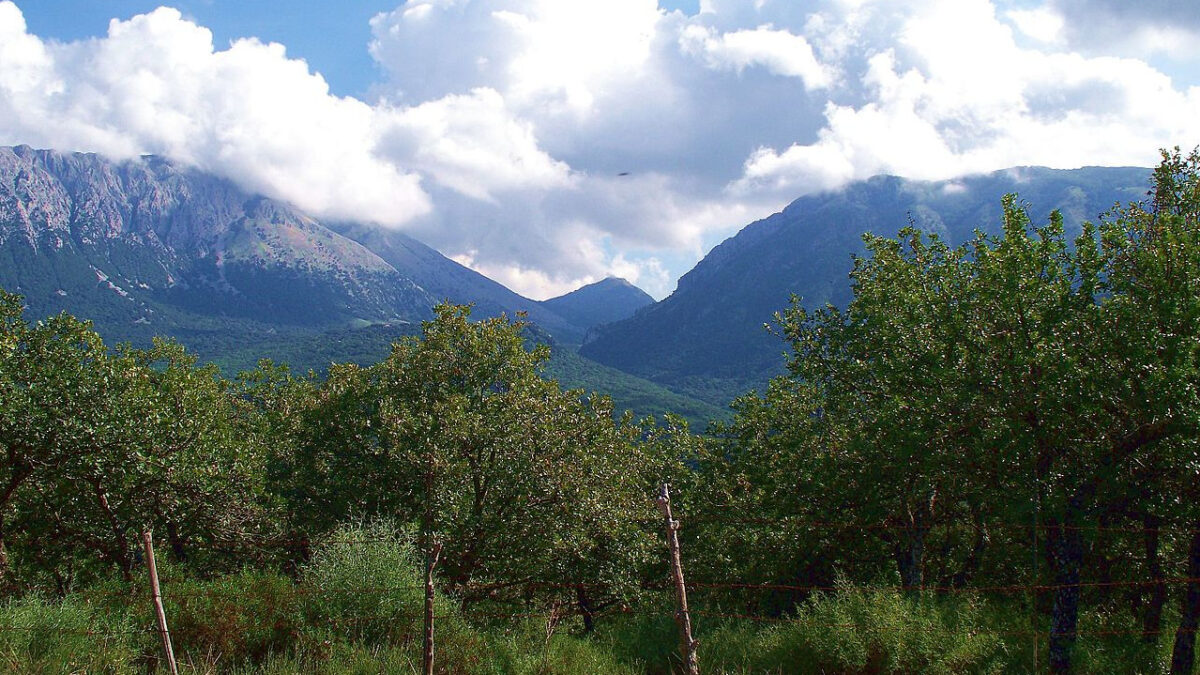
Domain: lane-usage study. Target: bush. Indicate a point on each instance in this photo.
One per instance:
(857, 630)
(366, 585)
(526, 648)
(647, 642)
(242, 617)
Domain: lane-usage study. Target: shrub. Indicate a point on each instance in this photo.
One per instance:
(365, 584)
(526, 648)
(241, 617)
(859, 630)
(647, 641)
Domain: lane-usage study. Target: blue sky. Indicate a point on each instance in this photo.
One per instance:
(331, 36)
(499, 131)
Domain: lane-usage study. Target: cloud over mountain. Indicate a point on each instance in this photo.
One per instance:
(499, 131)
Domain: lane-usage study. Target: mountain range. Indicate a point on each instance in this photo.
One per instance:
(709, 339)
(149, 247)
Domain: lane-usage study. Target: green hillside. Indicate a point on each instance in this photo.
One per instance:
(303, 351)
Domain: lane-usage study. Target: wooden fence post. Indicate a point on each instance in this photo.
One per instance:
(156, 596)
(431, 561)
(687, 645)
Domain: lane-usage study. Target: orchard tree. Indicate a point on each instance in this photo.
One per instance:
(100, 444)
(1025, 378)
(457, 432)
(51, 377)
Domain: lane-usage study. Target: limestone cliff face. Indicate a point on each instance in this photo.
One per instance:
(124, 241)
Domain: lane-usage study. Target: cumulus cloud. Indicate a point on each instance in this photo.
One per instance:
(779, 51)
(155, 85)
(472, 144)
(954, 93)
(547, 54)
(549, 144)
(1043, 24)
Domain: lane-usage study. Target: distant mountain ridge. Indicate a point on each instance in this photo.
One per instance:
(605, 301)
(454, 282)
(148, 243)
(149, 247)
(708, 339)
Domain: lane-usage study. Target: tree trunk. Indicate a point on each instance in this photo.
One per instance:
(1183, 656)
(5, 577)
(431, 561)
(1152, 618)
(585, 609)
(910, 553)
(120, 548)
(971, 564)
(178, 550)
(1064, 544)
(1099, 560)
(910, 549)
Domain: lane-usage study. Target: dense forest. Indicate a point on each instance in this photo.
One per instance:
(986, 462)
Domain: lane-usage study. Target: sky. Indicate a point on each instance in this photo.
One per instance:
(551, 143)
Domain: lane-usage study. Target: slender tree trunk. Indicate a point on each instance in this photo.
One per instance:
(1099, 560)
(178, 550)
(431, 561)
(1152, 617)
(971, 564)
(910, 554)
(1064, 543)
(910, 549)
(4, 565)
(1183, 656)
(121, 544)
(585, 609)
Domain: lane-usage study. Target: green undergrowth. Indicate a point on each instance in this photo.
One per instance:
(357, 607)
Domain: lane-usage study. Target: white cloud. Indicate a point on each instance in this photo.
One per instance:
(576, 51)
(954, 93)
(472, 144)
(545, 54)
(155, 85)
(779, 51)
(1041, 23)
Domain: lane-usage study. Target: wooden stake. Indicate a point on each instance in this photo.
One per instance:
(687, 645)
(156, 596)
(431, 561)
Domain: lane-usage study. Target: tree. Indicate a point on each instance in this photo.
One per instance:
(455, 430)
(51, 376)
(1024, 378)
(98, 445)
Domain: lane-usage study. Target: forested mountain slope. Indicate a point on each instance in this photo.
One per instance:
(605, 301)
(708, 337)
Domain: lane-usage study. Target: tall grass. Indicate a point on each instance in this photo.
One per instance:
(38, 636)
